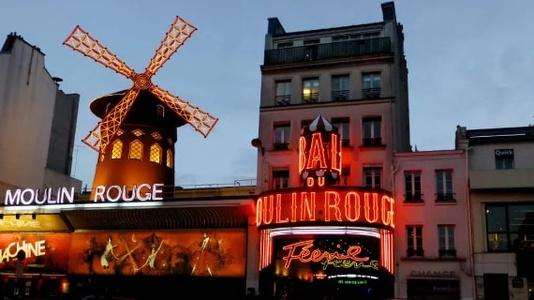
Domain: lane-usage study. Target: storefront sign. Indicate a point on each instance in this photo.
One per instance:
(304, 253)
(341, 206)
(66, 195)
(32, 249)
(432, 274)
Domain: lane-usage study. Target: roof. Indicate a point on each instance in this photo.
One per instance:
(10, 42)
(500, 135)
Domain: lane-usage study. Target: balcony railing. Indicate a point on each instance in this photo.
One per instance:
(372, 141)
(325, 51)
(280, 146)
(340, 95)
(447, 253)
(413, 197)
(445, 197)
(282, 100)
(371, 93)
(312, 97)
(410, 252)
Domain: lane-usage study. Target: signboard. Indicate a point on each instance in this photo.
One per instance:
(217, 253)
(333, 205)
(48, 251)
(28, 222)
(64, 195)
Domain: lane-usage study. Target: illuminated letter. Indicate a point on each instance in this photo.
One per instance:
(307, 207)
(43, 200)
(99, 193)
(335, 147)
(367, 208)
(32, 196)
(320, 181)
(12, 199)
(316, 154)
(66, 194)
(268, 210)
(388, 213)
(258, 212)
(309, 181)
(352, 207)
(108, 195)
(329, 204)
(293, 207)
(157, 188)
(138, 192)
(278, 218)
(302, 154)
(40, 245)
(125, 193)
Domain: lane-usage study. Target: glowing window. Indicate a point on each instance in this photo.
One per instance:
(169, 158)
(155, 153)
(120, 132)
(116, 151)
(156, 135)
(136, 150)
(138, 132)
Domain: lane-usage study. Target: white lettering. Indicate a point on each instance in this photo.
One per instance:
(11, 199)
(118, 194)
(99, 193)
(37, 248)
(157, 188)
(27, 201)
(145, 196)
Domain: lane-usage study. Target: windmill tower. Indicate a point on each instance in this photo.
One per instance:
(136, 136)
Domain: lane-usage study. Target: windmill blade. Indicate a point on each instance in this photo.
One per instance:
(178, 33)
(106, 130)
(201, 121)
(80, 40)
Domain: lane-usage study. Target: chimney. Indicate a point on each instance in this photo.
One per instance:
(388, 12)
(275, 27)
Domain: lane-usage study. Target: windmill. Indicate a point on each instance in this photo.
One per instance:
(137, 115)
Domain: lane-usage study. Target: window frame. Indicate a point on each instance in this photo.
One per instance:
(373, 184)
(446, 195)
(282, 99)
(345, 126)
(448, 249)
(504, 161)
(412, 196)
(313, 95)
(340, 94)
(414, 242)
(372, 139)
(275, 183)
(280, 141)
(370, 91)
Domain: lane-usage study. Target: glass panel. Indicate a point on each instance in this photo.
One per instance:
(116, 151)
(451, 237)
(442, 238)
(497, 242)
(496, 218)
(521, 218)
(136, 150)
(310, 89)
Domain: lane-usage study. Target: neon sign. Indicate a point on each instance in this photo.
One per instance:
(341, 206)
(319, 154)
(64, 195)
(302, 252)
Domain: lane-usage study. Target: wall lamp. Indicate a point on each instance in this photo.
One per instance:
(258, 144)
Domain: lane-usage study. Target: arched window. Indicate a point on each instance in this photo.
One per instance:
(136, 150)
(169, 158)
(116, 151)
(155, 153)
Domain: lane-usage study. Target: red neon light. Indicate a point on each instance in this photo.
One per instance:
(335, 152)
(302, 154)
(301, 251)
(386, 250)
(316, 155)
(330, 206)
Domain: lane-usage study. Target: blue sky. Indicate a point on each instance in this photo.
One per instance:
(470, 63)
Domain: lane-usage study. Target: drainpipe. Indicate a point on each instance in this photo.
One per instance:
(469, 223)
(394, 169)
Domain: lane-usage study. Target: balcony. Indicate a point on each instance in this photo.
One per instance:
(413, 198)
(325, 51)
(280, 146)
(312, 97)
(377, 141)
(371, 93)
(340, 95)
(410, 252)
(447, 253)
(282, 100)
(445, 197)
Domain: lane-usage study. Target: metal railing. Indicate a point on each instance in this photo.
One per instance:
(325, 51)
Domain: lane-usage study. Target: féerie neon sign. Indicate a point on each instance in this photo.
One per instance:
(302, 252)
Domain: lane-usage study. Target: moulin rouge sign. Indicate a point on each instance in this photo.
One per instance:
(319, 201)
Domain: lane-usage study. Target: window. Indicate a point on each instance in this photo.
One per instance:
(371, 177)
(280, 179)
(444, 186)
(371, 85)
(281, 45)
(160, 110)
(310, 90)
(340, 87)
(169, 162)
(345, 176)
(412, 186)
(504, 158)
(138, 132)
(509, 227)
(156, 135)
(283, 93)
(155, 153)
(371, 131)
(311, 42)
(343, 125)
(446, 241)
(136, 150)
(281, 136)
(414, 236)
(116, 151)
